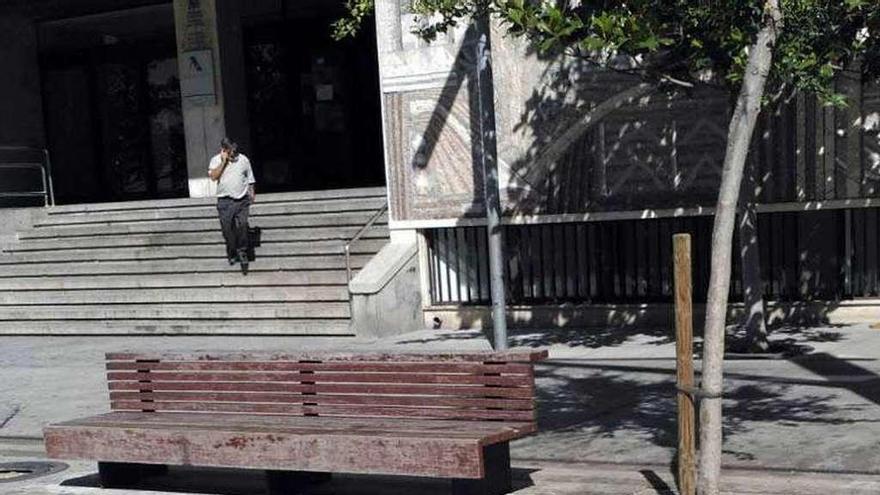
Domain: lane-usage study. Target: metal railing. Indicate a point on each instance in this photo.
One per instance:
(360, 233)
(45, 167)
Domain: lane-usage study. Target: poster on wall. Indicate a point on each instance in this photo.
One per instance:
(197, 78)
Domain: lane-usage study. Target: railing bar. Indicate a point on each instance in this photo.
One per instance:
(469, 257)
(48, 171)
(432, 273)
(48, 192)
(446, 258)
(529, 243)
(876, 274)
(479, 269)
(357, 236)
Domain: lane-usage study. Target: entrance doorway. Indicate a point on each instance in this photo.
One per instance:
(112, 106)
(313, 104)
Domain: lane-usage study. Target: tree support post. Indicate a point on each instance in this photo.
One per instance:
(684, 354)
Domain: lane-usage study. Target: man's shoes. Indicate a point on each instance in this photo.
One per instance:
(232, 260)
(243, 259)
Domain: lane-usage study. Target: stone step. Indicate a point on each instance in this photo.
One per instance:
(191, 266)
(196, 225)
(207, 295)
(229, 278)
(342, 234)
(244, 311)
(268, 250)
(301, 327)
(367, 192)
(258, 210)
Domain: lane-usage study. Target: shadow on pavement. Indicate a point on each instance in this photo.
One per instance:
(843, 373)
(215, 481)
(657, 483)
(602, 400)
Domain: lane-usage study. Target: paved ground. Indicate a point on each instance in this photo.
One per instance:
(530, 478)
(604, 398)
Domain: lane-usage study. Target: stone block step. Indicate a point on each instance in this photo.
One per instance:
(207, 295)
(302, 327)
(243, 311)
(229, 278)
(342, 234)
(206, 251)
(191, 266)
(196, 225)
(368, 192)
(258, 210)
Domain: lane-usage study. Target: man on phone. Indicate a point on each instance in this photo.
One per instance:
(235, 193)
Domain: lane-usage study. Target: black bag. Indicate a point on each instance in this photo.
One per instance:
(254, 234)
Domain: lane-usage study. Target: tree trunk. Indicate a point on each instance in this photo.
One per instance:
(742, 126)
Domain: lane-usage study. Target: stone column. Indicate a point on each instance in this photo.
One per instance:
(198, 55)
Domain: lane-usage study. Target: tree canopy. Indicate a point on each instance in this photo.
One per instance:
(679, 41)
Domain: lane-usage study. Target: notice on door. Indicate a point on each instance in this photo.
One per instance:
(197, 78)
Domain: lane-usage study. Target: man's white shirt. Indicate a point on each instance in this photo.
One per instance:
(235, 179)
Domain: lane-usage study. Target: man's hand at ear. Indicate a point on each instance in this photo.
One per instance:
(216, 173)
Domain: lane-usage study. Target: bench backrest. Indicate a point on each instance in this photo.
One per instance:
(466, 386)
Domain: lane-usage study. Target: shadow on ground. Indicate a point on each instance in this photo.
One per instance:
(625, 411)
(605, 337)
(216, 481)
(570, 337)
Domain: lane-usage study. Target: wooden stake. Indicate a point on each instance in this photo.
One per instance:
(684, 353)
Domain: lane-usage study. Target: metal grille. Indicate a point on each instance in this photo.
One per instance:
(817, 255)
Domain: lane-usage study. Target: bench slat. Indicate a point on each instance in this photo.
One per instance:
(322, 377)
(388, 367)
(330, 410)
(288, 398)
(489, 356)
(331, 388)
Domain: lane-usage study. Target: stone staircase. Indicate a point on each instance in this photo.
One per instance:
(159, 267)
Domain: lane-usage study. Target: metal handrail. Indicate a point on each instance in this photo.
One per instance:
(373, 219)
(48, 191)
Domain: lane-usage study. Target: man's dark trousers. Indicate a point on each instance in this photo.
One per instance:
(234, 224)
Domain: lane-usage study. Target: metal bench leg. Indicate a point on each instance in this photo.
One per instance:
(292, 482)
(123, 474)
(496, 461)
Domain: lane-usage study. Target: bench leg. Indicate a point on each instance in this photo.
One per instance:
(123, 474)
(496, 461)
(292, 482)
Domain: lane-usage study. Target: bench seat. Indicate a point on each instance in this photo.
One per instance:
(450, 449)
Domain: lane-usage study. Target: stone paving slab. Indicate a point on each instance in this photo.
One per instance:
(530, 478)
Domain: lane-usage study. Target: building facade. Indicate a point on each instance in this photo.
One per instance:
(131, 99)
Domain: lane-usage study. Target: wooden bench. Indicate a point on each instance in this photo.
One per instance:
(303, 416)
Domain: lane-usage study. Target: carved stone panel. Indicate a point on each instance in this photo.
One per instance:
(433, 170)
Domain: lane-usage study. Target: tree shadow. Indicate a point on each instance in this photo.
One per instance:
(857, 379)
(601, 400)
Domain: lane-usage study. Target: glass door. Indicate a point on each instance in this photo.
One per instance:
(115, 124)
